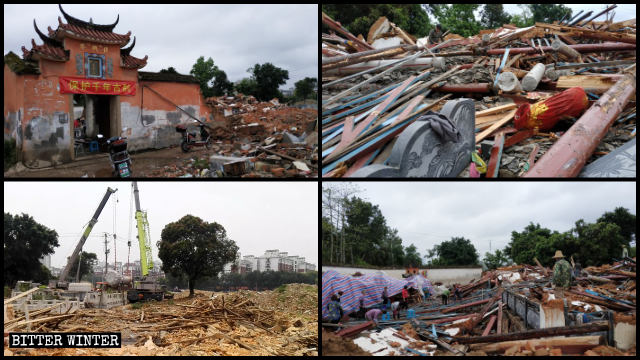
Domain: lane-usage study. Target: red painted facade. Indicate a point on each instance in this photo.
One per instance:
(40, 116)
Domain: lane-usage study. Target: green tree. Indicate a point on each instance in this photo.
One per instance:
(304, 88)
(455, 252)
(268, 78)
(412, 257)
(365, 230)
(25, 241)
(624, 219)
(495, 260)
(522, 247)
(195, 248)
(525, 19)
(87, 261)
(170, 70)
(358, 18)
(213, 81)
(458, 18)
(493, 16)
(548, 13)
(247, 86)
(599, 243)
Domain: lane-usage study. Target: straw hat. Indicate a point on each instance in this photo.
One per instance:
(558, 254)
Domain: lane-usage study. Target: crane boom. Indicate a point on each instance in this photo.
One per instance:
(146, 259)
(83, 238)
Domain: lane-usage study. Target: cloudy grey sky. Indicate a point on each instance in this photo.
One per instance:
(235, 36)
(427, 213)
(258, 216)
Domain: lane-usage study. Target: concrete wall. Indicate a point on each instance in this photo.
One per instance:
(446, 276)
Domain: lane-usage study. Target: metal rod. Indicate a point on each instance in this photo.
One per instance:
(375, 77)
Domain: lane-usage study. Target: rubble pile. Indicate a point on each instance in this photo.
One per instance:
(513, 310)
(533, 94)
(252, 138)
(244, 323)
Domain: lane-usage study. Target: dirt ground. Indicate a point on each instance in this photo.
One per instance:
(333, 345)
(169, 162)
(262, 323)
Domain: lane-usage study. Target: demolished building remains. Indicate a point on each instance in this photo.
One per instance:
(542, 101)
(512, 310)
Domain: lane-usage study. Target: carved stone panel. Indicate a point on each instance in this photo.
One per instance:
(419, 151)
(621, 162)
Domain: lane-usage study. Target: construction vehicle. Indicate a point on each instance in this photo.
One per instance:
(145, 288)
(61, 283)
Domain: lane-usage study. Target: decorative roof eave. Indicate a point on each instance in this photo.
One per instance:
(47, 40)
(127, 51)
(89, 25)
(131, 62)
(45, 51)
(79, 33)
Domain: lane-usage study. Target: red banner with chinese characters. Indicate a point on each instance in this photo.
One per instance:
(70, 85)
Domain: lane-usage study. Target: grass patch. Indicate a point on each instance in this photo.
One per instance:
(137, 305)
(282, 288)
(170, 302)
(201, 164)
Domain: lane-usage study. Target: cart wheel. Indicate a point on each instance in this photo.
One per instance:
(185, 147)
(209, 144)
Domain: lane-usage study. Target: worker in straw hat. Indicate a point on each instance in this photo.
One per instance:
(561, 274)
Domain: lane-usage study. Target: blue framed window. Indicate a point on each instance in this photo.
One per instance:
(94, 65)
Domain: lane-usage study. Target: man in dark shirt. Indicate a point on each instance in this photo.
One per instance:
(436, 35)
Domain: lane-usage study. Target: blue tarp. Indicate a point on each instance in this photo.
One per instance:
(372, 284)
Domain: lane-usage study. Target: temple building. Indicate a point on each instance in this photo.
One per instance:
(84, 80)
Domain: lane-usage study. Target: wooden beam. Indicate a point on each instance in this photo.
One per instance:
(536, 333)
(495, 110)
(481, 136)
(499, 325)
(496, 156)
(502, 346)
(590, 83)
(487, 330)
(22, 294)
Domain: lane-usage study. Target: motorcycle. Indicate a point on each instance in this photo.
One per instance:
(189, 139)
(119, 156)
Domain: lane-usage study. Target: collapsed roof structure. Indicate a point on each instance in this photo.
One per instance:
(512, 310)
(543, 101)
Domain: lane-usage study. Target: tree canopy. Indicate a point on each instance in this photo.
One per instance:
(548, 13)
(213, 81)
(268, 78)
(458, 18)
(304, 88)
(355, 232)
(456, 252)
(493, 16)
(25, 242)
(495, 260)
(195, 248)
(358, 18)
(87, 261)
(589, 243)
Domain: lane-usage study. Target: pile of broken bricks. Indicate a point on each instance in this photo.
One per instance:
(491, 86)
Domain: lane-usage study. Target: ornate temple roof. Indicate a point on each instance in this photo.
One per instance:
(53, 49)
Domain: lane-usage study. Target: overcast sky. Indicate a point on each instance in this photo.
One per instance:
(258, 216)
(427, 213)
(235, 36)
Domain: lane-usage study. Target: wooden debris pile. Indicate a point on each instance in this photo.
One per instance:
(211, 324)
(526, 123)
